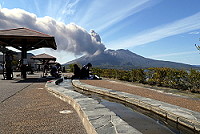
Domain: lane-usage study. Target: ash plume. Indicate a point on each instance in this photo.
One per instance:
(69, 37)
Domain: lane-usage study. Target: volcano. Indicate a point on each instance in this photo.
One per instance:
(125, 59)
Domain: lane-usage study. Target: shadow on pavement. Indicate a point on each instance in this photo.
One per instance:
(32, 80)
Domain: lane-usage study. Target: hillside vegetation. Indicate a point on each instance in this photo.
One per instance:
(165, 77)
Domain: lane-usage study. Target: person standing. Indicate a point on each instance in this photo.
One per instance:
(46, 68)
(8, 65)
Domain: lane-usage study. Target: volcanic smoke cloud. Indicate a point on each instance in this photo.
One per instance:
(70, 37)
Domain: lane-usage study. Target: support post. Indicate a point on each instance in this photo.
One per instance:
(23, 63)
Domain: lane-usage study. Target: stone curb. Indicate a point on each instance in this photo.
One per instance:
(96, 118)
(178, 114)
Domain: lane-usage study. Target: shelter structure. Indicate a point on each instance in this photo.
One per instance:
(45, 60)
(25, 39)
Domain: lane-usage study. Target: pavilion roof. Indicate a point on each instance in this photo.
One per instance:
(26, 38)
(43, 57)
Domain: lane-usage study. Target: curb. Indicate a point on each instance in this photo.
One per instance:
(183, 116)
(96, 118)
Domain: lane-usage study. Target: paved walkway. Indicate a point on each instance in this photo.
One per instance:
(27, 107)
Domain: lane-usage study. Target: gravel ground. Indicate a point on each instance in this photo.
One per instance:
(186, 102)
(32, 109)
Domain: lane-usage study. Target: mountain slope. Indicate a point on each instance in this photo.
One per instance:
(126, 59)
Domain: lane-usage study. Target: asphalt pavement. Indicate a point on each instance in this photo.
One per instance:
(27, 107)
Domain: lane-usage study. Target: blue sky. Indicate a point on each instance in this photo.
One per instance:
(158, 29)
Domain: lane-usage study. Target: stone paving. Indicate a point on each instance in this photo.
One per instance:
(178, 114)
(98, 119)
(95, 117)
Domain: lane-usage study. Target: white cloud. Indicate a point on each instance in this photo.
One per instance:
(101, 14)
(194, 32)
(69, 8)
(62, 9)
(181, 26)
(69, 38)
(173, 54)
(1, 4)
